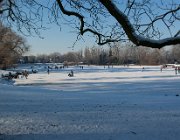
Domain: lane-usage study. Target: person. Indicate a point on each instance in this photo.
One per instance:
(10, 76)
(48, 71)
(34, 71)
(142, 69)
(161, 68)
(71, 74)
(25, 74)
(176, 70)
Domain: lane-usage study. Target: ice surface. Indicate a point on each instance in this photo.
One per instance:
(119, 103)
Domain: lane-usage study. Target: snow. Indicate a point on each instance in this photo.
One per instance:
(98, 103)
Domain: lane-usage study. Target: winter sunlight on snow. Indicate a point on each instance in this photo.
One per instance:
(96, 103)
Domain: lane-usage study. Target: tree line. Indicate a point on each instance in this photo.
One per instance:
(131, 20)
(14, 46)
(117, 54)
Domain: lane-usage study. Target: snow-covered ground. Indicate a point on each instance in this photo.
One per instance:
(119, 103)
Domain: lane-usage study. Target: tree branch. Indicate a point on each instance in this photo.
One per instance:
(130, 31)
(82, 24)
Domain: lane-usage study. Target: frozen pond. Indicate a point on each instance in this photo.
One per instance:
(118, 103)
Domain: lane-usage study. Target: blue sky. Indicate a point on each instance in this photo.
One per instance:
(56, 40)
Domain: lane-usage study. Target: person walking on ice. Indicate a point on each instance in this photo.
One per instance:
(48, 71)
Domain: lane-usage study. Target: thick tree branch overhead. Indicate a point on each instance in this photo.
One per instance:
(82, 28)
(149, 23)
(130, 31)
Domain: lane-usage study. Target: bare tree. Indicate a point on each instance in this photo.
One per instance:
(71, 57)
(143, 22)
(176, 53)
(87, 56)
(12, 47)
(43, 58)
(55, 57)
